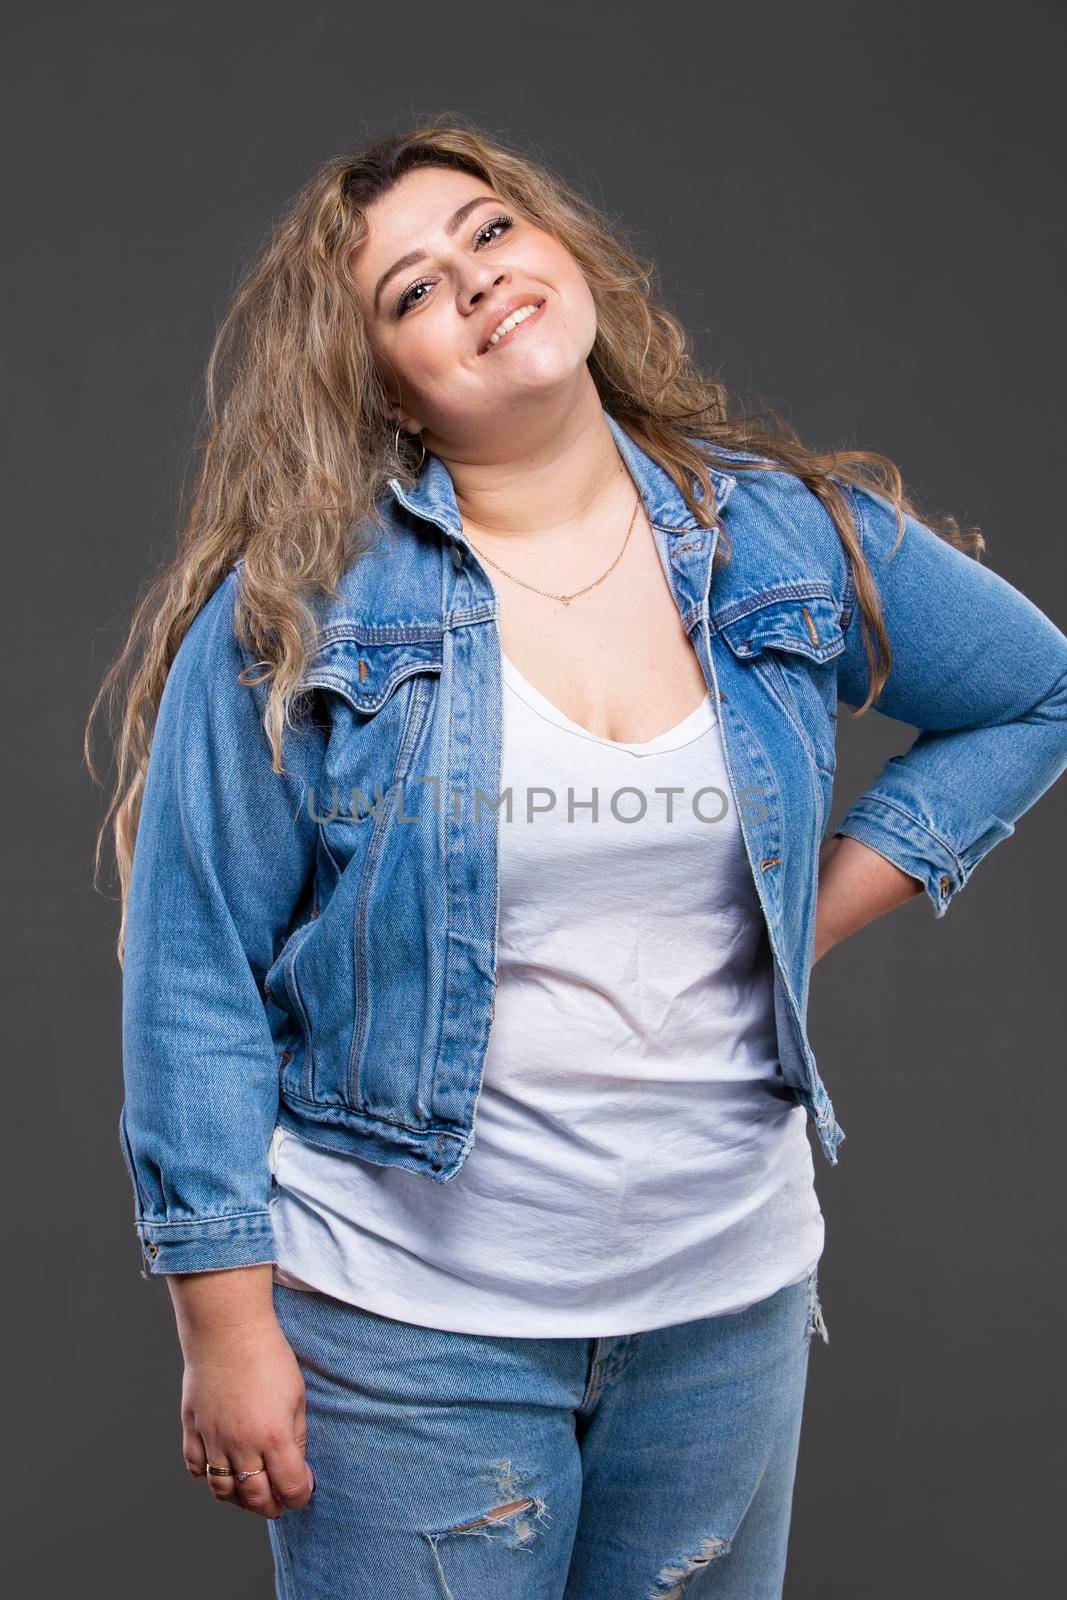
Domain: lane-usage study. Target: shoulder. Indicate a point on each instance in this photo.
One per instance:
(768, 498)
(212, 634)
(209, 656)
(778, 529)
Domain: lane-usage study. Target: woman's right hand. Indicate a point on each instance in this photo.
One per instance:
(243, 1397)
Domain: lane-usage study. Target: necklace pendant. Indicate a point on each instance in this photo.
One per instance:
(566, 598)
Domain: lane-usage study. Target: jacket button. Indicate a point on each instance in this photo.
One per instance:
(457, 556)
(946, 883)
(287, 1056)
(151, 1250)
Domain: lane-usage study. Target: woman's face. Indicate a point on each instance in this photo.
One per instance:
(429, 321)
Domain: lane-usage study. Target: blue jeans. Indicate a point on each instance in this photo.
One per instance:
(452, 1466)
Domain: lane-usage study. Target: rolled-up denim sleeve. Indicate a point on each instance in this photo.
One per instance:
(982, 673)
(224, 854)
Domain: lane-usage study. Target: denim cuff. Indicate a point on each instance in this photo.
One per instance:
(908, 844)
(242, 1239)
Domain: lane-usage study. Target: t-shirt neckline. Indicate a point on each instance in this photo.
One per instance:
(698, 721)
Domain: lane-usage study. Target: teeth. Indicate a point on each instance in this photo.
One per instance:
(512, 322)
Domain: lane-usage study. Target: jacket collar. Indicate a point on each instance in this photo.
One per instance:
(433, 497)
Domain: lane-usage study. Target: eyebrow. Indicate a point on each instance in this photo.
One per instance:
(454, 222)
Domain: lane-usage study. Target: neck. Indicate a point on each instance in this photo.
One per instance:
(567, 477)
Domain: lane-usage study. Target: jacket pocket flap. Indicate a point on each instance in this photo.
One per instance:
(365, 672)
(804, 624)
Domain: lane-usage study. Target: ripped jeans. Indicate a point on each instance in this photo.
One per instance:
(455, 1466)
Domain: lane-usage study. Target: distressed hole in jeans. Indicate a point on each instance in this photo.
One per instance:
(512, 1513)
(816, 1320)
(673, 1579)
(514, 1524)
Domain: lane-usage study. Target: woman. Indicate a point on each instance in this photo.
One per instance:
(479, 754)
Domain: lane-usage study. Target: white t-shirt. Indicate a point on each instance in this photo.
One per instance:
(638, 1160)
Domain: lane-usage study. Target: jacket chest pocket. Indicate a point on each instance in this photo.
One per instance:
(382, 695)
(791, 642)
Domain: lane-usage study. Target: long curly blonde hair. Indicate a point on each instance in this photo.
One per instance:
(297, 440)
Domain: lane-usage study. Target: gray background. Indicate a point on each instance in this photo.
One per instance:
(859, 211)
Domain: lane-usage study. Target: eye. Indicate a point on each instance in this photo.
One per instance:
(407, 298)
(497, 222)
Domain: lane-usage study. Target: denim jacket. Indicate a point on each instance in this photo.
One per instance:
(318, 947)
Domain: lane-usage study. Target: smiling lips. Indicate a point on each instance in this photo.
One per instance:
(517, 317)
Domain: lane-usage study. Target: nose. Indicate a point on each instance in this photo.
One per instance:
(476, 294)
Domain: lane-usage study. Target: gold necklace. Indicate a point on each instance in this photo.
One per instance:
(566, 598)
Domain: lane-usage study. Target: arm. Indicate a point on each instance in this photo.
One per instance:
(224, 852)
(856, 884)
(982, 673)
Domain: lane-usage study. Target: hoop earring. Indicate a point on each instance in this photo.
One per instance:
(422, 458)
